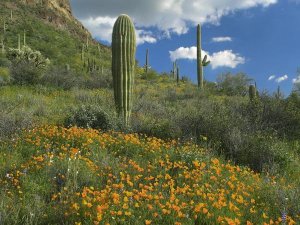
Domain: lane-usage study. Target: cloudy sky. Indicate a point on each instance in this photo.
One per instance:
(258, 37)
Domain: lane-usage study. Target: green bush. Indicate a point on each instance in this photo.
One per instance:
(62, 78)
(28, 66)
(90, 116)
(4, 76)
(25, 74)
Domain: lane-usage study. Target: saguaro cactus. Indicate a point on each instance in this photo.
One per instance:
(177, 75)
(24, 38)
(147, 61)
(252, 92)
(19, 42)
(174, 69)
(123, 64)
(200, 63)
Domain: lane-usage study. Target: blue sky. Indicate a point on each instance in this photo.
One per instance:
(263, 36)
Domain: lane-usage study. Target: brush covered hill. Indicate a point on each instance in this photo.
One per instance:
(169, 167)
(51, 29)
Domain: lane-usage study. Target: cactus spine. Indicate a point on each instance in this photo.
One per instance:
(123, 65)
(200, 63)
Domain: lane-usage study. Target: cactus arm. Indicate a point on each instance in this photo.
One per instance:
(205, 62)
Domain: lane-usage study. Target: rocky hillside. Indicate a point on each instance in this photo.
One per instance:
(50, 28)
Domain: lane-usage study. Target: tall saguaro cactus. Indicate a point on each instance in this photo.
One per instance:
(200, 63)
(147, 61)
(123, 64)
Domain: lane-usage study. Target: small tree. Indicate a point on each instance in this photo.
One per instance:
(28, 65)
(231, 84)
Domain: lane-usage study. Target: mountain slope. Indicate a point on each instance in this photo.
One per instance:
(51, 29)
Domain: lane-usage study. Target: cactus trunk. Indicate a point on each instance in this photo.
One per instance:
(252, 92)
(199, 61)
(19, 42)
(147, 60)
(123, 65)
(177, 75)
(24, 38)
(2, 47)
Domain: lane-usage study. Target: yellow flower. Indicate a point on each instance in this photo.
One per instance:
(148, 222)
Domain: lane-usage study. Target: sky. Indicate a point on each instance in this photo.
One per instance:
(260, 38)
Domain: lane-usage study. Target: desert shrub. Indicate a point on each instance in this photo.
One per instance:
(4, 62)
(231, 84)
(13, 122)
(98, 80)
(90, 116)
(4, 76)
(28, 66)
(24, 74)
(151, 75)
(66, 79)
(62, 78)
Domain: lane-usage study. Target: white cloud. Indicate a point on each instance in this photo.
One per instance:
(283, 78)
(224, 58)
(102, 27)
(296, 80)
(221, 39)
(272, 77)
(169, 16)
(143, 36)
(184, 53)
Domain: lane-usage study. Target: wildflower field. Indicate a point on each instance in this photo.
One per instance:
(55, 175)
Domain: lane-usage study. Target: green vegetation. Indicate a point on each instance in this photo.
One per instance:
(172, 152)
(60, 44)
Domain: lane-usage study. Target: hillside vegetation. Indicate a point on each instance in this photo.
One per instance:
(60, 40)
(83, 176)
(220, 153)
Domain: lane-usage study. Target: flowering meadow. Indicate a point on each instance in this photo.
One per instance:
(56, 175)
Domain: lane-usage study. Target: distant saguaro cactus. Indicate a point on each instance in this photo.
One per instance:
(200, 63)
(123, 64)
(177, 75)
(174, 69)
(147, 61)
(2, 46)
(252, 92)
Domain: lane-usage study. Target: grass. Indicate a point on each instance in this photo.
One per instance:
(83, 176)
